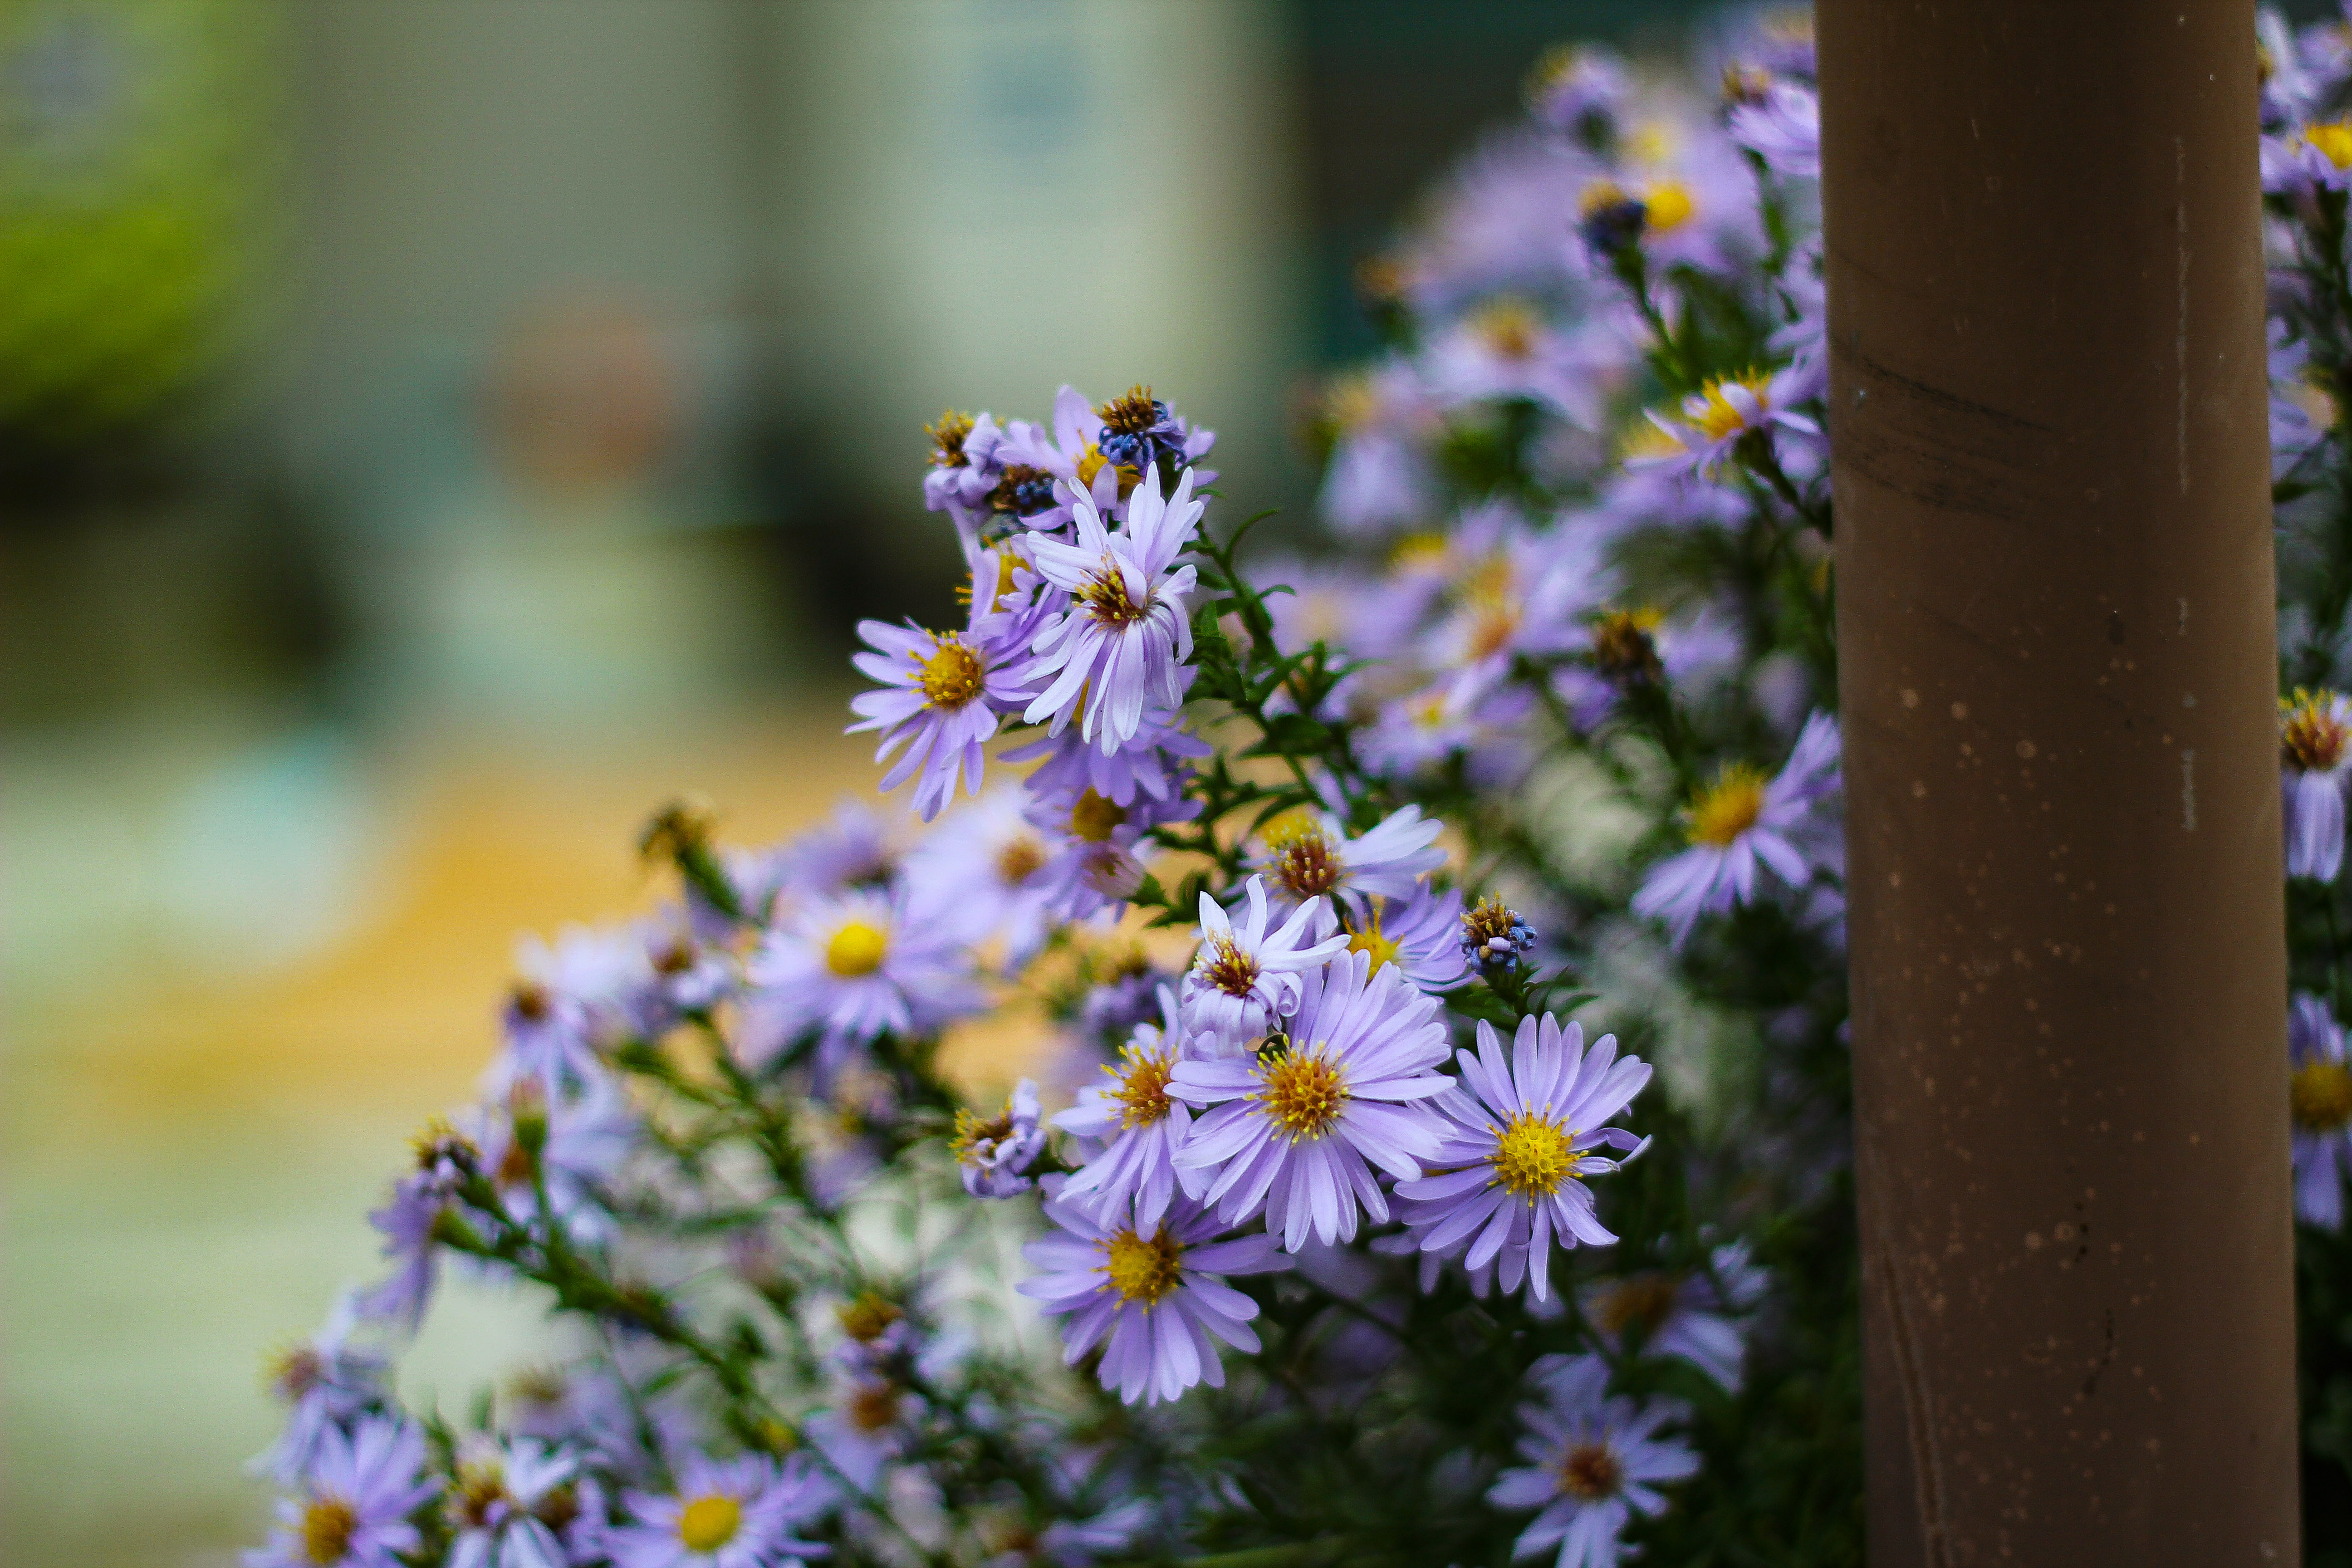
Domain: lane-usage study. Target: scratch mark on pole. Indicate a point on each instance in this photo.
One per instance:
(2181, 332)
(2188, 792)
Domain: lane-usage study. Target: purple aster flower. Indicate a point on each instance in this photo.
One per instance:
(1080, 1543)
(860, 966)
(325, 1382)
(1784, 128)
(2314, 729)
(1118, 645)
(1140, 435)
(1136, 1122)
(1307, 855)
(945, 694)
(1298, 1127)
(1528, 597)
(858, 847)
(352, 1509)
(1520, 1138)
(1379, 475)
(1493, 934)
(867, 1429)
(1246, 973)
(2307, 159)
(1152, 762)
(2319, 1091)
(509, 1499)
(1629, 649)
(544, 1035)
(1506, 349)
(981, 873)
(1594, 1461)
(1153, 1295)
(1741, 821)
(1578, 91)
(446, 1160)
(1462, 715)
(996, 1155)
(966, 465)
(1092, 848)
(1688, 1315)
(1421, 933)
(571, 1144)
(1729, 410)
(733, 1513)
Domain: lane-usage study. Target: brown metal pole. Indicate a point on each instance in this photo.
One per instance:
(2055, 633)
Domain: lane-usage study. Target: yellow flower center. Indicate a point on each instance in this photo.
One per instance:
(951, 676)
(1532, 1156)
(1106, 597)
(2334, 141)
(1591, 1472)
(1227, 967)
(1303, 859)
(1419, 552)
(1719, 416)
(2320, 1092)
(948, 438)
(1373, 940)
(1302, 1094)
(481, 1487)
(1094, 818)
(1143, 1092)
(1644, 1298)
(708, 1523)
(1019, 860)
(1667, 205)
(1728, 807)
(1142, 1268)
(1508, 327)
(874, 1407)
(971, 1132)
(868, 1317)
(856, 948)
(1622, 643)
(326, 1528)
(2310, 735)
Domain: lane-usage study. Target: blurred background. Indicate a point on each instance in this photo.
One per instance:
(434, 432)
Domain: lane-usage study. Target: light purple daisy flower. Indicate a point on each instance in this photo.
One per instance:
(1741, 821)
(1118, 645)
(1594, 1461)
(499, 1511)
(1298, 1127)
(1520, 1137)
(1784, 128)
(1716, 419)
(352, 1509)
(1155, 1293)
(966, 465)
(1246, 973)
(945, 694)
(1379, 475)
(1093, 847)
(859, 965)
(325, 1382)
(1047, 468)
(869, 1428)
(1137, 1124)
(446, 1160)
(581, 1138)
(994, 1155)
(544, 1035)
(1578, 91)
(979, 873)
(2319, 1092)
(1307, 855)
(2315, 751)
(2308, 160)
(1421, 933)
(1152, 762)
(736, 1513)
(1687, 1315)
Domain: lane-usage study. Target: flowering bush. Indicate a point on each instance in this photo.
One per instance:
(1438, 1145)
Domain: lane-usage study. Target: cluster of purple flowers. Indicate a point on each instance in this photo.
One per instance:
(1272, 868)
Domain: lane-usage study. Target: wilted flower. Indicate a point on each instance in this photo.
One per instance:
(995, 1156)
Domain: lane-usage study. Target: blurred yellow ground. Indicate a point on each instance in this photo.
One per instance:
(188, 1164)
